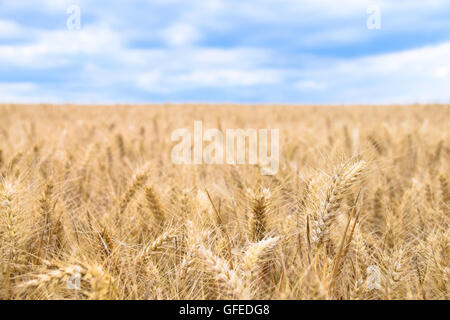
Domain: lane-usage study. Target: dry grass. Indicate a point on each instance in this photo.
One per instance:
(359, 208)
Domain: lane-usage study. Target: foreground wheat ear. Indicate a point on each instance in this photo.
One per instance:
(92, 207)
(345, 176)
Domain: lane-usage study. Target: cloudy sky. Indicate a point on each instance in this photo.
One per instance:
(270, 51)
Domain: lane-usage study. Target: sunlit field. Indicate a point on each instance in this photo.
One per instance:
(93, 207)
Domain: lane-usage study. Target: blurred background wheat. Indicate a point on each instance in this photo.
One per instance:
(93, 208)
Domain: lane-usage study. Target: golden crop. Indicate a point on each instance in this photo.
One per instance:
(92, 207)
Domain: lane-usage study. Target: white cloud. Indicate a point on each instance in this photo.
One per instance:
(310, 85)
(24, 92)
(170, 70)
(98, 59)
(10, 29)
(42, 5)
(153, 81)
(158, 81)
(55, 47)
(419, 62)
(416, 75)
(441, 72)
(332, 37)
(180, 34)
(228, 77)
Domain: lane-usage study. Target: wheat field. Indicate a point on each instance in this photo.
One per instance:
(92, 206)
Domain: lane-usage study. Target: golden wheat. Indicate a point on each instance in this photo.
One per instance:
(92, 207)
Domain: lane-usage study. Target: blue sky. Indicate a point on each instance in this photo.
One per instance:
(254, 51)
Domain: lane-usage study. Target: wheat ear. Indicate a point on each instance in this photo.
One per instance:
(155, 206)
(255, 253)
(260, 208)
(342, 181)
(445, 191)
(227, 278)
(137, 182)
(46, 210)
(11, 231)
